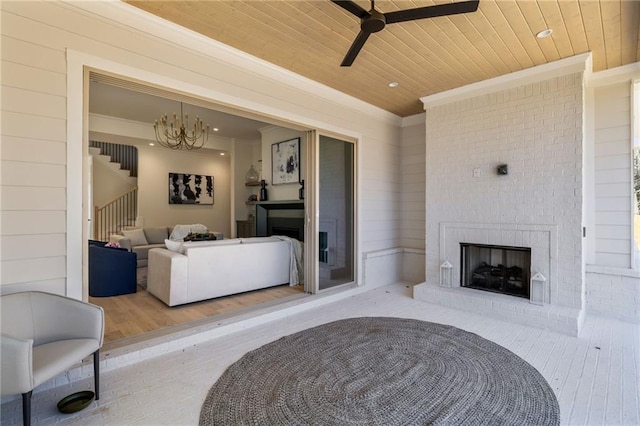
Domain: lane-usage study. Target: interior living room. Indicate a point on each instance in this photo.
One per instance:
(487, 166)
(130, 188)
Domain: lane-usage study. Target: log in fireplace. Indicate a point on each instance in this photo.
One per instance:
(500, 269)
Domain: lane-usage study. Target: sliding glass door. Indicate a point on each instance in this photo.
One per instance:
(335, 221)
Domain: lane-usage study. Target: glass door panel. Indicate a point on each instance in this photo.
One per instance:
(335, 225)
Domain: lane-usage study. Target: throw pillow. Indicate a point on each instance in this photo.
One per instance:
(136, 236)
(156, 235)
(175, 246)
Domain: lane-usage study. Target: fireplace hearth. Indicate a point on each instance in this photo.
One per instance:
(500, 269)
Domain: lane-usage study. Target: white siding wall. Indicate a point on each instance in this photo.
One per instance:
(413, 184)
(612, 285)
(613, 175)
(35, 39)
(33, 199)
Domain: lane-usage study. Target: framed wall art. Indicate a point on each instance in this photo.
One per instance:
(285, 161)
(187, 188)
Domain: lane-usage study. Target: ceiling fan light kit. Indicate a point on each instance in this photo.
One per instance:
(373, 21)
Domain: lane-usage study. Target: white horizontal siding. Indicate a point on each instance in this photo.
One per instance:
(20, 222)
(28, 270)
(33, 103)
(31, 126)
(16, 247)
(618, 232)
(19, 173)
(33, 150)
(35, 55)
(613, 186)
(413, 223)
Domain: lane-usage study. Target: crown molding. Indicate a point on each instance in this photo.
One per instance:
(622, 74)
(578, 63)
(413, 120)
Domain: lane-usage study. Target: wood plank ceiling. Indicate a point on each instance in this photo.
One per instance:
(424, 57)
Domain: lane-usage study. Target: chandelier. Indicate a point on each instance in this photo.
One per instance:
(174, 134)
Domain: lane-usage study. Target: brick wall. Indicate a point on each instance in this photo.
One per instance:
(536, 129)
(613, 292)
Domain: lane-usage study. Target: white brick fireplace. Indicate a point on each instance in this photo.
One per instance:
(541, 239)
(533, 122)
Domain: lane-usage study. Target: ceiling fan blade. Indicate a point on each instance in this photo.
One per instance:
(355, 49)
(431, 11)
(351, 7)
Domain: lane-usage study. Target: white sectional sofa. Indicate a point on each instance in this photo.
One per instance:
(205, 270)
(141, 240)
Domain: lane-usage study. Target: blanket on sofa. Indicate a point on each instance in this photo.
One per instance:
(296, 265)
(181, 231)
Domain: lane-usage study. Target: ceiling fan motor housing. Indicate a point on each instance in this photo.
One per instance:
(373, 23)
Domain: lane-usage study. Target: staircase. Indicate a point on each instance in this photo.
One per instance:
(121, 162)
(115, 215)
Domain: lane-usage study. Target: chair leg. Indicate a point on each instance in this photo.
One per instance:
(96, 372)
(26, 408)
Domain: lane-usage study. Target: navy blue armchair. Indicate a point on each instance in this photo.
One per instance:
(112, 271)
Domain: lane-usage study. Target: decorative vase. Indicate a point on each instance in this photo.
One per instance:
(263, 190)
(252, 175)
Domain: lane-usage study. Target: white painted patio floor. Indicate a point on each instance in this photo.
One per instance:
(595, 377)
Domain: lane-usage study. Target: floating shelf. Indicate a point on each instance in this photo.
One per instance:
(252, 183)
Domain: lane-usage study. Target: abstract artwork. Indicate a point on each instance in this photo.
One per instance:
(190, 189)
(285, 161)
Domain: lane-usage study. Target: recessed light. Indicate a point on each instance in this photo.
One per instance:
(215, 129)
(152, 144)
(545, 33)
(393, 84)
(222, 153)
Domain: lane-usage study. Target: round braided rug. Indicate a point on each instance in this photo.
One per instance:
(381, 371)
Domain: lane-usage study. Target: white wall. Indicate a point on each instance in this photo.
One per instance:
(413, 182)
(271, 135)
(44, 48)
(108, 183)
(612, 280)
(154, 166)
(245, 154)
(613, 186)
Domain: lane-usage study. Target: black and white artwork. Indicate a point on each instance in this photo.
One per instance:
(285, 161)
(190, 189)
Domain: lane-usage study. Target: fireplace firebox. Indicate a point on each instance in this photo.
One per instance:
(499, 269)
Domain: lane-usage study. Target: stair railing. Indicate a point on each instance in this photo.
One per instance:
(126, 155)
(115, 215)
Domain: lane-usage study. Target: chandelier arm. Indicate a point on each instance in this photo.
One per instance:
(176, 136)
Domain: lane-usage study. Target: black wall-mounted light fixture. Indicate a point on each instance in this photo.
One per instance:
(503, 169)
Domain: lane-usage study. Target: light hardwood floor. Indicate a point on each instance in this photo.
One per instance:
(595, 376)
(134, 314)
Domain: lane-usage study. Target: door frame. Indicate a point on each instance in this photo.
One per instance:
(78, 66)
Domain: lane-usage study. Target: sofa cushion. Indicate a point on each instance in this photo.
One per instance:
(136, 236)
(143, 251)
(156, 235)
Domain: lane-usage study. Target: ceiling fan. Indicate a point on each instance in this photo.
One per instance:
(373, 21)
